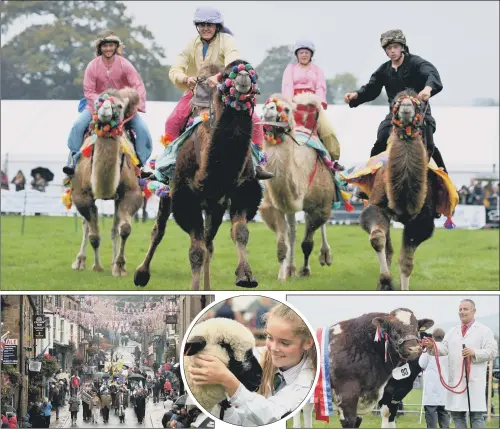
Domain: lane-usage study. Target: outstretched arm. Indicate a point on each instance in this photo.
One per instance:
(371, 90)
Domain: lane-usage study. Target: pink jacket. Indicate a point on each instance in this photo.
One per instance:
(98, 78)
(257, 131)
(297, 77)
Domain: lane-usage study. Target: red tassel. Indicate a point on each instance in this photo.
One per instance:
(147, 192)
(348, 206)
(87, 152)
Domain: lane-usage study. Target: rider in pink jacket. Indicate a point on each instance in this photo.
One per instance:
(305, 76)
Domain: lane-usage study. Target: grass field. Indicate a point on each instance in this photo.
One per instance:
(408, 420)
(41, 259)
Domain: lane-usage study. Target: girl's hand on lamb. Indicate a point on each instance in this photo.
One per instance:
(213, 371)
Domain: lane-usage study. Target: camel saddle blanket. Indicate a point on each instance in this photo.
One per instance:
(315, 143)
(126, 145)
(165, 164)
(363, 176)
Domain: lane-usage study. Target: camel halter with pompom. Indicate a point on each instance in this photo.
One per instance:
(411, 131)
(273, 132)
(115, 126)
(231, 97)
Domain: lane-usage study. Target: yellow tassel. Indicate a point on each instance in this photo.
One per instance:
(67, 200)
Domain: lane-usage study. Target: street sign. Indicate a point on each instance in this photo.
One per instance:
(171, 319)
(9, 356)
(35, 365)
(39, 327)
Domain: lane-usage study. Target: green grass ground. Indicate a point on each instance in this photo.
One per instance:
(408, 420)
(41, 259)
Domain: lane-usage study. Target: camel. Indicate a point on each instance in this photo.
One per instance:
(213, 173)
(302, 181)
(107, 171)
(407, 189)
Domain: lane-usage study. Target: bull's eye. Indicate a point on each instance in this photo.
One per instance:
(119, 106)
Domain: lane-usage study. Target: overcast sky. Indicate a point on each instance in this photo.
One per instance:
(324, 310)
(460, 38)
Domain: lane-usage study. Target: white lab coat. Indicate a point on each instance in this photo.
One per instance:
(480, 338)
(252, 409)
(434, 392)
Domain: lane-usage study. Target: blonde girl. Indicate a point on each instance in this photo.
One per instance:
(288, 361)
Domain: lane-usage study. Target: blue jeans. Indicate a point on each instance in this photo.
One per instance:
(143, 143)
(460, 419)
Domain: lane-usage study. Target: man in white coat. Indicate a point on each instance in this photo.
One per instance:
(434, 395)
(480, 347)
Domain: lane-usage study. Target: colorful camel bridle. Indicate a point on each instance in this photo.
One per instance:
(274, 131)
(411, 131)
(114, 127)
(230, 96)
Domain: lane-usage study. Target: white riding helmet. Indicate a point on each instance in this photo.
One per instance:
(304, 44)
(208, 15)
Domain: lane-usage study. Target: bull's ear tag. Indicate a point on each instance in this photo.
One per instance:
(401, 372)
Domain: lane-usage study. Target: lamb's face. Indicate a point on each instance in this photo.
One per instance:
(232, 343)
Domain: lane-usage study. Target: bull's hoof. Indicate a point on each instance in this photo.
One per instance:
(325, 257)
(247, 281)
(385, 285)
(291, 271)
(305, 272)
(97, 268)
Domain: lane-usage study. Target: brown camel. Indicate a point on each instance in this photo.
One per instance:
(302, 181)
(405, 190)
(108, 173)
(214, 172)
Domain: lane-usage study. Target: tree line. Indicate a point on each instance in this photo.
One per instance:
(47, 61)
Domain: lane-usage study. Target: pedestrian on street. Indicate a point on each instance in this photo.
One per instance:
(105, 404)
(74, 407)
(121, 404)
(56, 401)
(95, 407)
(46, 408)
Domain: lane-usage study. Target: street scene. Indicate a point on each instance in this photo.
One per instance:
(96, 361)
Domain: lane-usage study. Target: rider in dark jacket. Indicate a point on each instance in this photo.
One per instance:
(401, 72)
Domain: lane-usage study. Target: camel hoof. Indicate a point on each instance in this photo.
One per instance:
(291, 271)
(305, 272)
(97, 268)
(325, 257)
(385, 285)
(248, 282)
(141, 277)
(79, 264)
(119, 270)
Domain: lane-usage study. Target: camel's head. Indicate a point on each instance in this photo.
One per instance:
(277, 117)
(239, 85)
(407, 109)
(112, 107)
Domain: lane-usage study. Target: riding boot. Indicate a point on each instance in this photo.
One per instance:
(262, 174)
(68, 169)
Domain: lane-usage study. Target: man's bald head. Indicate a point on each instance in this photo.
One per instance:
(467, 311)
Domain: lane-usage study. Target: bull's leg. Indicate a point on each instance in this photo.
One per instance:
(308, 415)
(213, 219)
(297, 420)
(125, 209)
(374, 221)
(142, 273)
(414, 233)
(81, 258)
(313, 222)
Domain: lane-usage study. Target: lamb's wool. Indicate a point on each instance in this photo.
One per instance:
(216, 331)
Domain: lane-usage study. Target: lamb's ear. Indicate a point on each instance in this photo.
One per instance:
(194, 345)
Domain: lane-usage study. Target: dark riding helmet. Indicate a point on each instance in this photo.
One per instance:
(106, 37)
(392, 36)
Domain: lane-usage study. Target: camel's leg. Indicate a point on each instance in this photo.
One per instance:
(313, 222)
(244, 204)
(142, 273)
(325, 255)
(414, 233)
(90, 213)
(124, 211)
(115, 236)
(377, 224)
(80, 260)
(292, 239)
(213, 220)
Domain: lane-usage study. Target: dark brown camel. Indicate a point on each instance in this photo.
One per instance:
(214, 172)
(403, 191)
